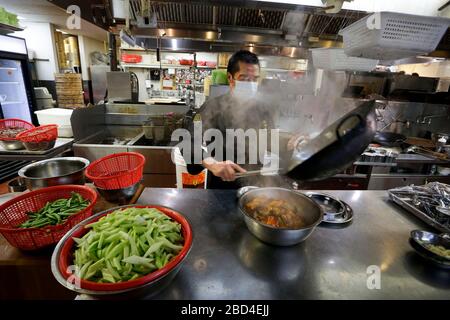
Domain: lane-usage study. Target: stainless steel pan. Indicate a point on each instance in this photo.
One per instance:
(310, 211)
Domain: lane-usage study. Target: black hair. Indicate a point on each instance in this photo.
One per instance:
(242, 56)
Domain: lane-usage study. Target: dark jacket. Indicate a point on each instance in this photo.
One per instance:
(227, 112)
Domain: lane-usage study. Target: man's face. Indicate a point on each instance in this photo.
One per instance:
(247, 72)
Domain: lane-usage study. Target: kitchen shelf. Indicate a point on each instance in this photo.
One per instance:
(206, 67)
(8, 68)
(9, 82)
(155, 66)
(6, 28)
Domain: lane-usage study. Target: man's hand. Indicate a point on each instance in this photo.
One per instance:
(226, 170)
(296, 140)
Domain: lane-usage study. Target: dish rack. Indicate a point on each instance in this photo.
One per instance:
(393, 36)
(336, 59)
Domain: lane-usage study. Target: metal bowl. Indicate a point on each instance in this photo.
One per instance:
(54, 172)
(307, 208)
(119, 195)
(12, 144)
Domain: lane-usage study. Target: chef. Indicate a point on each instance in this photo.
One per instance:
(241, 108)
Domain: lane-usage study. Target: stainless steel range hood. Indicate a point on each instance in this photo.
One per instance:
(225, 26)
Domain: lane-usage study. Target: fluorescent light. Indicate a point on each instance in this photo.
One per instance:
(174, 44)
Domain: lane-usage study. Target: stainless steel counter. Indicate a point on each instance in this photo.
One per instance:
(227, 262)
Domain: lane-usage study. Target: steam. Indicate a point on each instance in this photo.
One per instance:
(298, 106)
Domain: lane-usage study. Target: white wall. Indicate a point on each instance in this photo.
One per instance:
(87, 46)
(40, 39)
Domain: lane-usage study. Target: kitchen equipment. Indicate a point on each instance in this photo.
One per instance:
(437, 137)
(116, 171)
(340, 219)
(427, 153)
(134, 87)
(264, 172)
(445, 171)
(307, 208)
(337, 147)
(392, 35)
(12, 143)
(60, 117)
(119, 86)
(332, 208)
(389, 139)
(147, 285)
(420, 142)
(422, 201)
(420, 241)
(53, 172)
(17, 185)
(120, 196)
(336, 59)
(16, 80)
(14, 212)
(44, 99)
(159, 128)
(39, 138)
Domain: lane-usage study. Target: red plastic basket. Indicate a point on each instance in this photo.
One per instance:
(13, 213)
(131, 58)
(116, 171)
(14, 123)
(39, 134)
(65, 257)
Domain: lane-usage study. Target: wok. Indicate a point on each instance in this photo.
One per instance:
(337, 147)
(389, 139)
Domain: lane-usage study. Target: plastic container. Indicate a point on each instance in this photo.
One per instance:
(58, 116)
(131, 58)
(336, 59)
(116, 171)
(39, 138)
(14, 212)
(392, 36)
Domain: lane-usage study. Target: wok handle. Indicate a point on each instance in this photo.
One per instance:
(344, 120)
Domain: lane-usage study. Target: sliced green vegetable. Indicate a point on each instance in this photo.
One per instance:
(127, 244)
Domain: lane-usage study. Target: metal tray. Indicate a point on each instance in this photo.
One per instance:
(418, 213)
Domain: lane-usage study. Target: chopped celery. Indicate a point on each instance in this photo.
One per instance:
(127, 244)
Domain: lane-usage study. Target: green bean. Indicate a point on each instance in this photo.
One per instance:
(56, 212)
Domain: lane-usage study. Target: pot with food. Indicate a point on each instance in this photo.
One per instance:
(279, 216)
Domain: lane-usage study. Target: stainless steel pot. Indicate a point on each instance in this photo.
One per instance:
(310, 211)
(54, 172)
(12, 144)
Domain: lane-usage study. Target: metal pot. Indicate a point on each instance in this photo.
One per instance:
(54, 172)
(307, 208)
(12, 144)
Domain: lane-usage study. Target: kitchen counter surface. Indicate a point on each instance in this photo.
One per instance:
(228, 262)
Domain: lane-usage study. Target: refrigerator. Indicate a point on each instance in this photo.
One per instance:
(16, 91)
